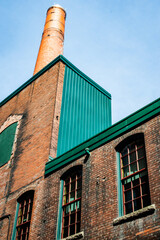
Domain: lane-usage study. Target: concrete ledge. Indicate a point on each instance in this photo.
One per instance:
(79, 235)
(137, 214)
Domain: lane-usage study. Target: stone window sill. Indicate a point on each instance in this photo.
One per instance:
(134, 215)
(79, 235)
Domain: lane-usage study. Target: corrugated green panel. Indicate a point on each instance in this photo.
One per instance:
(85, 111)
(6, 143)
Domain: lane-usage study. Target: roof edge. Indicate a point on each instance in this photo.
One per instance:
(38, 74)
(116, 130)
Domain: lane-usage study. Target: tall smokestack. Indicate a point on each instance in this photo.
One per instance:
(52, 38)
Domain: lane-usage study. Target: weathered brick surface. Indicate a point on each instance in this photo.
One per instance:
(37, 104)
(99, 193)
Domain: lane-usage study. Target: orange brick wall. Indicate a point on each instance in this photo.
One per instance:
(39, 104)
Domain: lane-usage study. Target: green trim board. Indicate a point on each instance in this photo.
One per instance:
(120, 194)
(59, 223)
(121, 127)
(15, 222)
(43, 70)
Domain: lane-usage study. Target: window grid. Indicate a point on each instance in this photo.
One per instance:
(134, 177)
(24, 217)
(71, 205)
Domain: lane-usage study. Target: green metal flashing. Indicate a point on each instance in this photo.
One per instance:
(121, 127)
(43, 70)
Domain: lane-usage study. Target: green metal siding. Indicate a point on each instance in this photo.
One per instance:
(85, 111)
(6, 143)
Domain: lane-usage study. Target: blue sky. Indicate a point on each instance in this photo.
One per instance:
(114, 42)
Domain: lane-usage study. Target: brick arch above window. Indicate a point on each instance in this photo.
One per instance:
(8, 138)
(128, 139)
(70, 170)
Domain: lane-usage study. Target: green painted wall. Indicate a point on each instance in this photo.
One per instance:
(6, 143)
(85, 110)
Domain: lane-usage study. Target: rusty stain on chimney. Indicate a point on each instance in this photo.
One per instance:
(52, 38)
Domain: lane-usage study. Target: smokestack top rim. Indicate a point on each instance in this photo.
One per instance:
(57, 6)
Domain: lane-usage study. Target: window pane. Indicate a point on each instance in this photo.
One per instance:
(72, 218)
(131, 147)
(127, 186)
(146, 201)
(73, 207)
(72, 196)
(136, 182)
(66, 221)
(142, 164)
(78, 227)
(65, 199)
(125, 171)
(78, 205)
(78, 216)
(145, 189)
(73, 186)
(66, 189)
(137, 204)
(125, 160)
(73, 177)
(141, 153)
(79, 183)
(128, 207)
(144, 178)
(65, 232)
(78, 193)
(132, 157)
(136, 192)
(133, 167)
(67, 180)
(139, 143)
(72, 229)
(124, 151)
(66, 210)
(128, 196)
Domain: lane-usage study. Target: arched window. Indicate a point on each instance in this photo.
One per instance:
(23, 218)
(70, 203)
(134, 174)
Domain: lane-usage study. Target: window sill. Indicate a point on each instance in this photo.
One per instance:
(79, 235)
(134, 215)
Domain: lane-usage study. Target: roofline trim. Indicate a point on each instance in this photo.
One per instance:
(38, 74)
(116, 130)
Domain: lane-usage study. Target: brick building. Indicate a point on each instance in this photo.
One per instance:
(65, 171)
